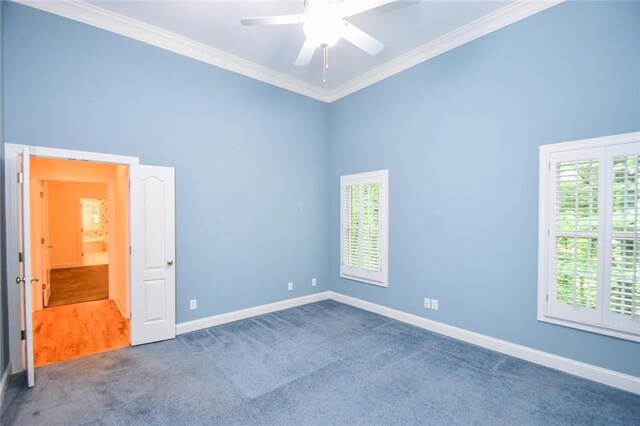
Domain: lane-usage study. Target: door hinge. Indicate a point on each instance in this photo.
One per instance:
(41, 194)
(20, 259)
(23, 335)
(129, 249)
(41, 240)
(19, 177)
(547, 297)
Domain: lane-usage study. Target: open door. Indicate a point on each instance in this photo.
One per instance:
(24, 278)
(153, 279)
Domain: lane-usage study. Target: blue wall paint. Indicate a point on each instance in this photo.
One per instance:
(257, 182)
(251, 159)
(460, 136)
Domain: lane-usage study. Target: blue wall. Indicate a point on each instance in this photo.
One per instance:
(251, 160)
(258, 168)
(460, 136)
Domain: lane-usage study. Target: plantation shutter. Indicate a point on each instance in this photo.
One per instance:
(577, 233)
(625, 267)
(351, 226)
(623, 280)
(370, 226)
(363, 221)
(594, 271)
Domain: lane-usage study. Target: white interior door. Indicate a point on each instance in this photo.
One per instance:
(153, 304)
(24, 279)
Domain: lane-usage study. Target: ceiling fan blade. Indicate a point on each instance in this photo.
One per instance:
(274, 20)
(306, 53)
(353, 7)
(364, 41)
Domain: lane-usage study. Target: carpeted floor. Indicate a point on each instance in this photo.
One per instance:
(320, 364)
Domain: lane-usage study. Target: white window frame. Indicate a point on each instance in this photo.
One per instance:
(380, 278)
(603, 324)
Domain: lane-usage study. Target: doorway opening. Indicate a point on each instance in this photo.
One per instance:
(147, 264)
(80, 253)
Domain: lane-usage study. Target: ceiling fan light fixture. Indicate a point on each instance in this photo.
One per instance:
(324, 25)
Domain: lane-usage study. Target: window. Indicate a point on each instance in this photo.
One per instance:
(91, 209)
(364, 227)
(589, 260)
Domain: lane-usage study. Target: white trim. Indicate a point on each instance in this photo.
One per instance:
(137, 30)
(140, 31)
(199, 324)
(591, 142)
(4, 382)
(587, 371)
(598, 374)
(502, 17)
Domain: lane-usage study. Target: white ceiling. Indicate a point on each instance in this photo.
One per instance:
(412, 31)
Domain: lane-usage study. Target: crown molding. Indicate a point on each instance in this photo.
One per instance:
(140, 31)
(89, 14)
(502, 17)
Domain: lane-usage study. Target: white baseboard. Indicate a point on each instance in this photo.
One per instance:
(567, 365)
(4, 382)
(591, 372)
(122, 311)
(189, 326)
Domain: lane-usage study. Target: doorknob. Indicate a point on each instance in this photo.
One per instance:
(19, 280)
(35, 279)
(170, 262)
(49, 246)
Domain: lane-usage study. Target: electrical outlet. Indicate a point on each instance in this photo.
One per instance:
(434, 304)
(290, 285)
(314, 282)
(193, 304)
(427, 303)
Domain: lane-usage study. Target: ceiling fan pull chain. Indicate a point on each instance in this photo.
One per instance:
(326, 61)
(325, 58)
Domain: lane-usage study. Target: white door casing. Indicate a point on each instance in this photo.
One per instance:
(153, 310)
(25, 266)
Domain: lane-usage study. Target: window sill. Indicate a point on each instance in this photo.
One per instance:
(364, 280)
(611, 332)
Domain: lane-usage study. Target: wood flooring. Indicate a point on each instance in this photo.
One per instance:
(65, 332)
(76, 285)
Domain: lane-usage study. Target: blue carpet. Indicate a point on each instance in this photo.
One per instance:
(318, 364)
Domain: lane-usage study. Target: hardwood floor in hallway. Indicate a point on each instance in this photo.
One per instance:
(65, 332)
(77, 285)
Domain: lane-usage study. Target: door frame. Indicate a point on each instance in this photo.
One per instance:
(11, 214)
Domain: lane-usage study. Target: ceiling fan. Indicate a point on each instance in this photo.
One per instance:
(324, 24)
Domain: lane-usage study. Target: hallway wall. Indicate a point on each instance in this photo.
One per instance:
(65, 220)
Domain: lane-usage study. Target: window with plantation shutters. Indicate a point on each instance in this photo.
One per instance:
(364, 227)
(589, 253)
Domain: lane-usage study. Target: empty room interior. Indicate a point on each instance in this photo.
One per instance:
(320, 212)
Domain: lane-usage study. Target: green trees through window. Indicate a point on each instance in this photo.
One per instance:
(577, 245)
